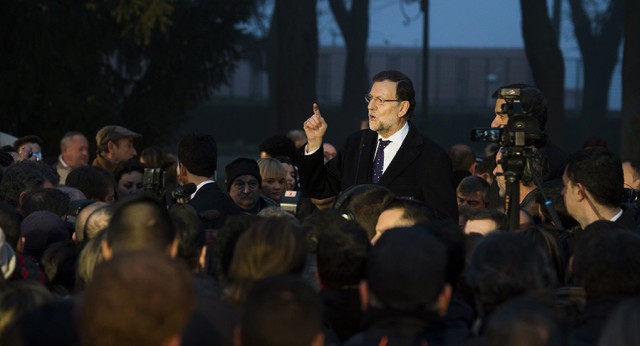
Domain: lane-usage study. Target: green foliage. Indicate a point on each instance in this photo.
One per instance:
(80, 65)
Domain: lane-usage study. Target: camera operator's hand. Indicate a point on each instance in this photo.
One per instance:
(315, 127)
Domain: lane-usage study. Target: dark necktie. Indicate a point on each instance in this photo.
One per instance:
(378, 161)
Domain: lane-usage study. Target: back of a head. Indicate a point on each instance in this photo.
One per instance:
(50, 199)
(22, 297)
(462, 157)
(98, 221)
(504, 266)
(10, 224)
(198, 152)
(270, 246)
(90, 256)
(83, 216)
(41, 229)
(525, 322)
(607, 262)
(190, 234)
(622, 325)
(140, 222)
(413, 211)
(406, 270)
(278, 145)
(136, 298)
(59, 266)
(95, 182)
(351, 200)
(600, 172)
(342, 256)
(23, 176)
(282, 311)
(549, 243)
(453, 238)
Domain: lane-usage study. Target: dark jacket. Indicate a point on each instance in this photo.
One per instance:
(421, 170)
(342, 311)
(589, 326)
(383, 327)
(211, 197)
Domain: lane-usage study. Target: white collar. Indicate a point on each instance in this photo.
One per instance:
(399, 136)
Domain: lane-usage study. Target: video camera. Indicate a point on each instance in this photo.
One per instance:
(522, 130)
(519, 140)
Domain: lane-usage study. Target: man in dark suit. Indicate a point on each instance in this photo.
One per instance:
(392, 152)
(198, 161)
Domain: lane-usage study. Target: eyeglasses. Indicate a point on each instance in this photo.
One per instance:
(239, 185)
(377, 100)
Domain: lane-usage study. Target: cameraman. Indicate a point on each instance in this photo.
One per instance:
(533, 103)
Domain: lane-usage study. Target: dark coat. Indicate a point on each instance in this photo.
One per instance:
(383, 327)
(211, 197)
(421, 170)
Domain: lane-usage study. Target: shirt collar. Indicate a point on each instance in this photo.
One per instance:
(399, 136)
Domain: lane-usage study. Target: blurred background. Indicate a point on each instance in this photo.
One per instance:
(243, 70)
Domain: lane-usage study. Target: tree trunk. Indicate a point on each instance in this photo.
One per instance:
(599, 48)
(354, 25)
(630, 124)
(293, 62)
(546, 61)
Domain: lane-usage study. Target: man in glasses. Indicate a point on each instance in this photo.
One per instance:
(391, 152)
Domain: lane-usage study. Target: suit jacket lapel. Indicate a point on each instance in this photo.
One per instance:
(407, 153)
(369, 144)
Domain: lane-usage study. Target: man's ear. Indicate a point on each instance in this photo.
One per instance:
(364, 294)
(202, 260)
(21, 199)
(570, 265)
(237, 335)
(111, 146)
(20, 246)
(404, 108)
(318, 340)
(443, 299)
(175, 340)
(173, 248)
(106, 250)
(182, 170)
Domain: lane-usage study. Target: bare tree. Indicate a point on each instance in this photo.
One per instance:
(293, 61)
(354, 25)
(599, 42)
(630, 124)
(545, 60)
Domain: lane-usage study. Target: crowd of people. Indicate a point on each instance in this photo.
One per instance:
(389, 240)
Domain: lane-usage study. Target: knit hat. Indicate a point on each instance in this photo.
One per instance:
(242, 166)
(406, 269)
(7, 257)
(41, 229)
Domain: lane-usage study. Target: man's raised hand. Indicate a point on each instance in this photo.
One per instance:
(315, 127)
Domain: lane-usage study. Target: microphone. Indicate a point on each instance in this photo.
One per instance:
(183, 191)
